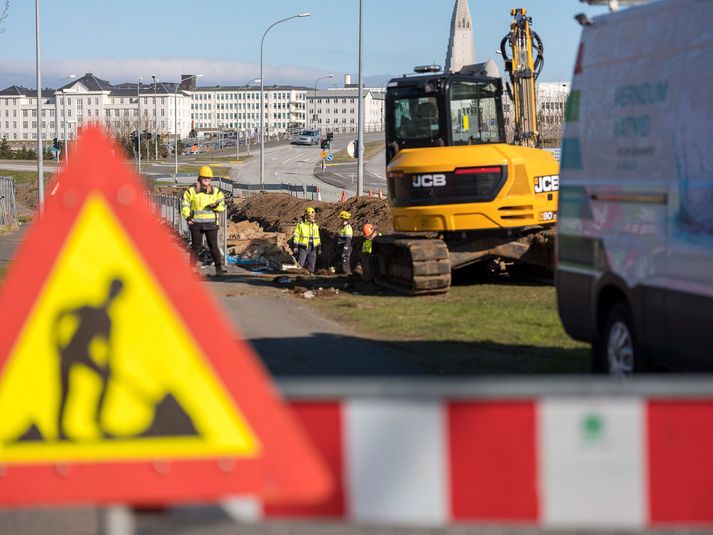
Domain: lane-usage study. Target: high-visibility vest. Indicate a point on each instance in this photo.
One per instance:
(304, 231)
(345, 232)
(366, 246)
(193, 205)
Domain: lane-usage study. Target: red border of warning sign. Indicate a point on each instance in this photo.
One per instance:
(287, 469)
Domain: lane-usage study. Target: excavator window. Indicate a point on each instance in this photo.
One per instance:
(474, 112)
(416, 118)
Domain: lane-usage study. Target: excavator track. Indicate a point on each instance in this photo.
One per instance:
(421, 265)
(412, 266)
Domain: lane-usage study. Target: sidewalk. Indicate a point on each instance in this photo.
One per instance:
(9, 243)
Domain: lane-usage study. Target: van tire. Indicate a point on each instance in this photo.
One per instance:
(616, 350)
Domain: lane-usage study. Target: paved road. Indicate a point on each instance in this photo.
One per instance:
(9, 244)
(294, 164)
(292, 339)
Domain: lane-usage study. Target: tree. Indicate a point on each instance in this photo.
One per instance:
(5, 152)
(121, 130)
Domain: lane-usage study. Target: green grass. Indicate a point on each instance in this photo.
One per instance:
(24, 218)
(21, 177)
(371, 148)
(4, 268)
(217, 170)
(481, 328)
(229, 159)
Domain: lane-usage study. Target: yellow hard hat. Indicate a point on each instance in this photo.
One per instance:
(344, 214)
(205, 172)
(309, 210)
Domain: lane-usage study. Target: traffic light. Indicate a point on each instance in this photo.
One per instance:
(324, 144)
(356, 148)
(55, 143)
(330, 136)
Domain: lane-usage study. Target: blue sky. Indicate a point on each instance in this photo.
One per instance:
(120, 41)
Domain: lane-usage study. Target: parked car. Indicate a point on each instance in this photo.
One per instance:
(635, 230)
(307, 137)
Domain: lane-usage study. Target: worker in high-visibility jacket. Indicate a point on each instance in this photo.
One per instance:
(344, 242)
(367, 262)
(200, 207)
(306, 240)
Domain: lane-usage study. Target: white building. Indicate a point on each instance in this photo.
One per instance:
(90, 100)
(336, 109)
(237, 108)
(165, 106)
(551, 100)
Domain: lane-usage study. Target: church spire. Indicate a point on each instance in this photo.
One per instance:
(461, 48)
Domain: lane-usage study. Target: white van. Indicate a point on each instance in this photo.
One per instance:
(635, 230)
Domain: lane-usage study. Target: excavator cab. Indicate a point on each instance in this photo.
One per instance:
(443, 110)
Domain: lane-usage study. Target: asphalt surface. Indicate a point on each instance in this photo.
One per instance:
(291, 164)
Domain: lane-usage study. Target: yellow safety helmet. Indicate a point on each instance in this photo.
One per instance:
(344, 214)
(309, 210)
(205, 172)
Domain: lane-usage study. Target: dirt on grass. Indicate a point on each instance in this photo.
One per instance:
(280, 212)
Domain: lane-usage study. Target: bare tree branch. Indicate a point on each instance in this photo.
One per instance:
(3, 15)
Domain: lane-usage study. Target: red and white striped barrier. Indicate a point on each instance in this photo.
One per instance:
(559, 461)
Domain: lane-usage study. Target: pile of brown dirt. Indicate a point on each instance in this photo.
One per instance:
(280, 212)
(275, 210)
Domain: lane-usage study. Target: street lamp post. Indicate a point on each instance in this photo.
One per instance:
(64, 122)
(155, 117)
(314, 101)
(360, 94)
(175, 124)
(262, 96)
(64, 116)
(138, 119)
(40, 156)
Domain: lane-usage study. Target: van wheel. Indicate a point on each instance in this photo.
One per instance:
(616, 350)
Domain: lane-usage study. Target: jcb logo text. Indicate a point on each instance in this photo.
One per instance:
(544, 184)
(428, 181)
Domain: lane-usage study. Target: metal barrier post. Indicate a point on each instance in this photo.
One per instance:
(225, 237)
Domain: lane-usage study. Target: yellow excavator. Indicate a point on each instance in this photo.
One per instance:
(459, 192)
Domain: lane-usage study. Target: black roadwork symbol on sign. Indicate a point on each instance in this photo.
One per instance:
(94, 324)
(94, 329)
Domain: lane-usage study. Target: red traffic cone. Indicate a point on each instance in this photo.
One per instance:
(381, 195)
(319, 195)
(344, 196)
(370, 195)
